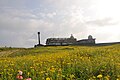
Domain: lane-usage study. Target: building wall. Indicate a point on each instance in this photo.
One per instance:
(70, 41)
(60, 41)
(86, 42)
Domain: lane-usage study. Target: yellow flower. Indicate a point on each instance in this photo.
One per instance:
(47, 78)
(31, 67)
(52, 69)
(107, 77)
(94, 77)
(68, 63)
(59, 70)
(72, 76)
(42, 72)
(100, 76)
(28, 73)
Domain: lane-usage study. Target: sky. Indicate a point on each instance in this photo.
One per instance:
(20, 20)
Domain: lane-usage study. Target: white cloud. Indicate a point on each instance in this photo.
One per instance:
(102, 22)
(20, 26)
(51, 15)
(20, 23)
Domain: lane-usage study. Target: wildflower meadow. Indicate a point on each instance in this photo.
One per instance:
(60, 63)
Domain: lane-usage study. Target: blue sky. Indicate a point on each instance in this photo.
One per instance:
(20, 20)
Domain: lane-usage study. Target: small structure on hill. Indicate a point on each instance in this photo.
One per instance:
(61, 41)
(89, 41)
(70, 41)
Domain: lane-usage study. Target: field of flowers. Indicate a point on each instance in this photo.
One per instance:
(60, 63)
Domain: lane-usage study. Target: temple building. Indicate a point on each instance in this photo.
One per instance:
(70, 41)
(89, 41)
(61, 41)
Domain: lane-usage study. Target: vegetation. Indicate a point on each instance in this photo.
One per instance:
(61, 63)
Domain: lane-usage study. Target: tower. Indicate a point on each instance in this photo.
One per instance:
(38, 38)
(90, 37)
(39, 44)
(71, 36)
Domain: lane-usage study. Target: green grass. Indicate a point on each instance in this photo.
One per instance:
(61, 63)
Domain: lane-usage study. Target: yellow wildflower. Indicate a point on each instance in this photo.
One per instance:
(42, 72)
(52, 69)
(72, 76)
(47, 78)
(107, 77)
(100, 76)
(28, 73)
(94, 77)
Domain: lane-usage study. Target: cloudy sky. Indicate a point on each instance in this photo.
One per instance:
(20, 20)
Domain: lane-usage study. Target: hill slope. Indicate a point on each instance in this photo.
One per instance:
(61, 63)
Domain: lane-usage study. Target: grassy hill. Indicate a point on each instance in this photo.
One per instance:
(61, 63)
